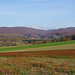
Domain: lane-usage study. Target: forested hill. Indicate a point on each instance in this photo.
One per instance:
(32, 33)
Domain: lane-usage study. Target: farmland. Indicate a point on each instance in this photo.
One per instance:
(52, 62)
(37, 37)
(36, 46)
(43, 59)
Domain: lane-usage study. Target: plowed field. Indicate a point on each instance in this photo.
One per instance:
(69, 52)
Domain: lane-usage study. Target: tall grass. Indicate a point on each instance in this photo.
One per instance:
(36, 66)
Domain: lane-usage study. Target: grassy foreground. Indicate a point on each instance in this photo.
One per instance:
(37, 46)
(51, 62)
(37, 65)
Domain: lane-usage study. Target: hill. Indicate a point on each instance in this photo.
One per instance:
(32, 33)
(60, 32)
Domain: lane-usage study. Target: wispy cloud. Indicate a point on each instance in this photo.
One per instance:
(44, 14)
(37, 8)
(8, 13)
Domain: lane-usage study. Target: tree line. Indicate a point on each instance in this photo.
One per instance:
(16, 40)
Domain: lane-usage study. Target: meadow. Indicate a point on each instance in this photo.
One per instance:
(43, 59)
(36, 46)
(52, 62)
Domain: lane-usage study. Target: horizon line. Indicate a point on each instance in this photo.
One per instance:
(34, 28)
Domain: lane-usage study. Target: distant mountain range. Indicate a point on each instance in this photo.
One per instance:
(32, 33)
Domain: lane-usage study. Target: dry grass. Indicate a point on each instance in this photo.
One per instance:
(36, 66)
(54, 62)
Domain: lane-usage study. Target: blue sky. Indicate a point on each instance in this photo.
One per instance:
(41, 14)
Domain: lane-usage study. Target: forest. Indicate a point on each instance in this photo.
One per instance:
(21, 40)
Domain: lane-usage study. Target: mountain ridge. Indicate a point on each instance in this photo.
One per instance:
(38, 33)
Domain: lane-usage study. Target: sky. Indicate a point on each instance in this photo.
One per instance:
(39, 14)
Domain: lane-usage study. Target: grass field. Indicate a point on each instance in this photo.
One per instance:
(44, 59)
(37, 46)
(61, 47)
(52, 62)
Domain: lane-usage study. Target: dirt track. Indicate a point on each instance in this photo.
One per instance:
(70, 52)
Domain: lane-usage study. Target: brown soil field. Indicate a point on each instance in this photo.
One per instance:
(69, 52)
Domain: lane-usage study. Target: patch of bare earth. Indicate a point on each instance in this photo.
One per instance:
(69, 52)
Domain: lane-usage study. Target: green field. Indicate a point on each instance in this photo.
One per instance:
(69, 46)
(37, 46)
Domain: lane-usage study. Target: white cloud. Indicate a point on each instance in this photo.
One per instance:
(34, 27)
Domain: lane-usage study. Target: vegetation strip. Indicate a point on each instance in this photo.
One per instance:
(70, 52)
(36, 46)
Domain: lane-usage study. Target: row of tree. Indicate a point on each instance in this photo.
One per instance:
(15, 41)
(65, 38)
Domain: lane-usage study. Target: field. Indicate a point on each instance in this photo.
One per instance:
(43, 59)
(52, 62)
(36, 46)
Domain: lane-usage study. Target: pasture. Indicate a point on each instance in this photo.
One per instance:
(43, 59)
(52, 62)
(37, 46)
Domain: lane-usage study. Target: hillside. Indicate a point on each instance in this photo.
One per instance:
(60, 32)
(32, 33)
(32, 47)
(20, 30)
